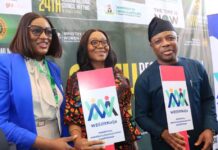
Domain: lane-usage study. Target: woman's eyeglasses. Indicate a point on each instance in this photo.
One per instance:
(96, 43)
(37, 30)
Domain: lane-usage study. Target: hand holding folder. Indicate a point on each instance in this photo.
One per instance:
(176, 140)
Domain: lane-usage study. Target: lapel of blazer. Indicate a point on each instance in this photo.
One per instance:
(56, 76)
(22, 93)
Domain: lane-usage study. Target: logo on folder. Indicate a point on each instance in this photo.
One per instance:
(101, 108)
(176, 97)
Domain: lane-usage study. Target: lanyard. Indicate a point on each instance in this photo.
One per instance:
(49, 77)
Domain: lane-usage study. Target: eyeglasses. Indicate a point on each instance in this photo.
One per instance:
(159, 41)
(37, 30)
(96, 43)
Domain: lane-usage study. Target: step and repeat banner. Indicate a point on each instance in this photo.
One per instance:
(212, 17)
(126, 23)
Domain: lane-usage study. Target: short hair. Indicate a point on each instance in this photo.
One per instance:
(21, 41)
(83, 59)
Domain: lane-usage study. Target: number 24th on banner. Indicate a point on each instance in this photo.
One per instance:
(50, 6)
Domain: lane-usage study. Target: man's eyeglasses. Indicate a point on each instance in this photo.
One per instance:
(159, 41)
(96, 43)
(37, 30)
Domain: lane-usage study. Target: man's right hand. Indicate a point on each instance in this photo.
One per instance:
(175, 140)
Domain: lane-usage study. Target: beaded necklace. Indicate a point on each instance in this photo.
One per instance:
(49, 77)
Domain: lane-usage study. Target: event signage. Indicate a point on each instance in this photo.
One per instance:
(176, 98)
(121, 11)
(212, 16)
(100, 106)
(171, 10)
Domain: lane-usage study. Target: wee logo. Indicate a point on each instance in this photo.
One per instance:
(101, 108)
(176, 97)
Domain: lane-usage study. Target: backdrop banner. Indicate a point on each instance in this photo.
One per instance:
(212, 17)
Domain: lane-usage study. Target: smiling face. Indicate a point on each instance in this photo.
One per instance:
(165, 47)
(98, 49)
(40, 43)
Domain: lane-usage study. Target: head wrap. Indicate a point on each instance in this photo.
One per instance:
(158, 25)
